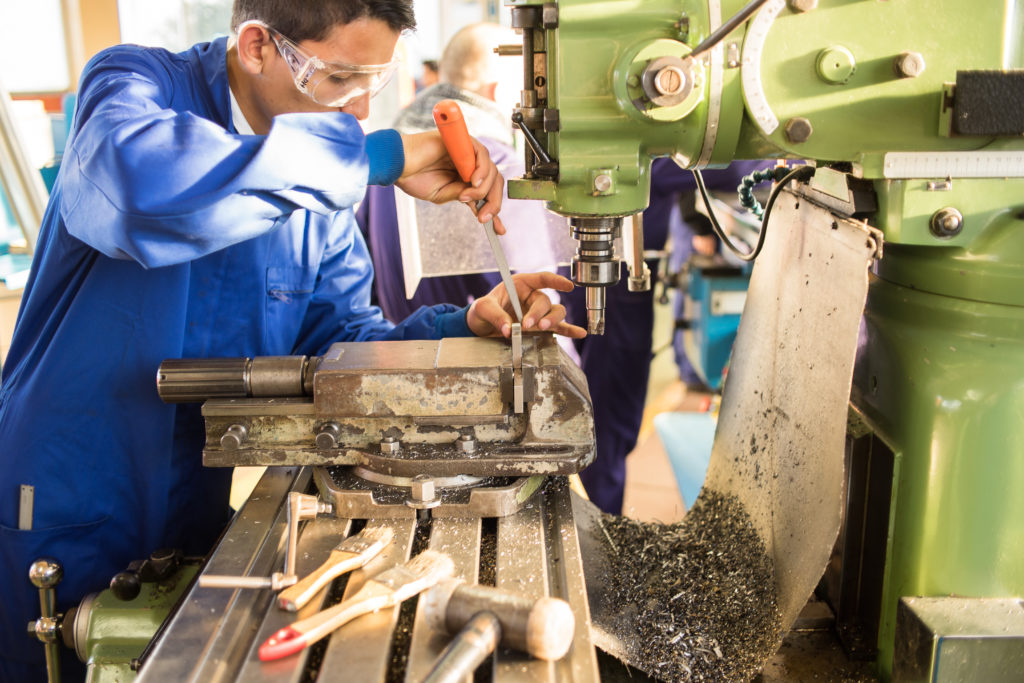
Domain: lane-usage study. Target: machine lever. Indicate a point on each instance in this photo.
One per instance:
(45, 574)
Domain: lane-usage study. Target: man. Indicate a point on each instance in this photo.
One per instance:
(203, 209)
(471, 74)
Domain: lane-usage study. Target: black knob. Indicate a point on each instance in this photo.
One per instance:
(126, 586)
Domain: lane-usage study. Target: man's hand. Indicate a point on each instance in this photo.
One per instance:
(491, 316)
(429, 174)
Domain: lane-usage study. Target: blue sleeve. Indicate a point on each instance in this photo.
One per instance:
(147, 179)
(340, 309)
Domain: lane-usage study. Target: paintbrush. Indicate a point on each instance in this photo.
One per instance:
(352, 553)
(387, 589)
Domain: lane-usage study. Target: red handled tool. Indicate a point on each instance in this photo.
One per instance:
(387, 589)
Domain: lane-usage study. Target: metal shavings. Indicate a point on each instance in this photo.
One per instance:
(702, 590)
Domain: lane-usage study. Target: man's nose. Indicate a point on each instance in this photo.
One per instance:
(359, 107)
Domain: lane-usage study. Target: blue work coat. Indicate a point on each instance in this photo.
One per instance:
(168, 235)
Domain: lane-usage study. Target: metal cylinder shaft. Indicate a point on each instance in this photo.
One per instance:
(594, 265)
(473, 644)
(193, 380)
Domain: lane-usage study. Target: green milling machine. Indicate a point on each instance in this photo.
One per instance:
(912, 114)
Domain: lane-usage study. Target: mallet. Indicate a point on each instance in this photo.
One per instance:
(484, 616)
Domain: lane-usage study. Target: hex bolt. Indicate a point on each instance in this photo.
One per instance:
(234, 437)
(946, 222)
(803, 5)
(390, 444)
(466, 443)
(798, 129)
(423, 488)
(602, 182)
(327, 437)
(909, 64)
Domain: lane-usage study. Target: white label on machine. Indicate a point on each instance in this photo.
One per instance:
(727, 302)
(984, 164)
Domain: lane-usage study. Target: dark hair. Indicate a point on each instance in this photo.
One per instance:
(313, 19)
(431, 64)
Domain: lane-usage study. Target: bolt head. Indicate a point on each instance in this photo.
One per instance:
(803, 5)
(45, 573)
(423, 488)
(233, 437)
(798, 129)
(670, 80)
(390, 444)
(466, 443)
(327, 437)
(909, 64)
(946, 222)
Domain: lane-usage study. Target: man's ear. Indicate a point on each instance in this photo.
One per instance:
(254, 48)
(489, 90)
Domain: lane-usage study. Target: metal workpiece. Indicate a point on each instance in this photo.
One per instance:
(199, 379)
(401, 408)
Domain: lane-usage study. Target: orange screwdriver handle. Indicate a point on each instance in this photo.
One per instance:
(452, 127)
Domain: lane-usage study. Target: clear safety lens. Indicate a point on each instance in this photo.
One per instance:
(330, 83)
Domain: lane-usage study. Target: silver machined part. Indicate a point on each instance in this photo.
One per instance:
(456, 481)
(423, 493)
(641, 283)
(390, 444)
(602, 182)
(301, 506)
(639, 273)
(276, 581)
(327, 437)
(194, 380)
(667, 81)
(234, 437)
(45, 573)
(595, 310)
(199, 379)
(946, 222)
(518, 397)
(595, 272)
(277, 375)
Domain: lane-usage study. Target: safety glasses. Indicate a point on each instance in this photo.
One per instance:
(331, 84)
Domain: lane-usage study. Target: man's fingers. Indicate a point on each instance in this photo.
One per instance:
(499, 227)
(571, 331)
(539, 306)
(525, 282)
(489, 310)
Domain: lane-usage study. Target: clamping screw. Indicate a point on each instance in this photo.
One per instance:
(390, 444)
(327, 437)
(466, 443)
(234, 437)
